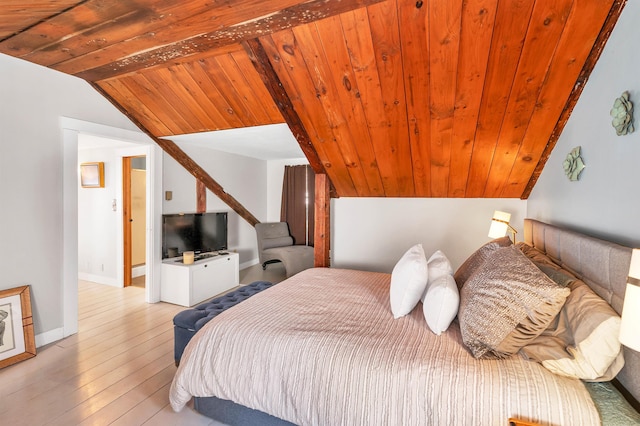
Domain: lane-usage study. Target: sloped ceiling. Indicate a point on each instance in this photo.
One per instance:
(428, 98)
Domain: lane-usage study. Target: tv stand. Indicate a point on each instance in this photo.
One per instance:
(187, 285)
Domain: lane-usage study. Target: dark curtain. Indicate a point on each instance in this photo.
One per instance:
(298, 196)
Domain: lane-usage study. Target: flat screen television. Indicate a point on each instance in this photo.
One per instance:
(198, 232)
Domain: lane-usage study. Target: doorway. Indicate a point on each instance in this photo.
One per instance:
(72, 129)
(134, 210)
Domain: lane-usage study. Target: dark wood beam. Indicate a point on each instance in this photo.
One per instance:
(272, 82)
(594, 55)
(322, 227)
(201, 197)
(199, 173)
(184, 49)
(185, 161)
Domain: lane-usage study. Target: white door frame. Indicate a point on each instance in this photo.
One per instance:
(70, 129)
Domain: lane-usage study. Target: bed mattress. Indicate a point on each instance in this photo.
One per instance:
(323, 348)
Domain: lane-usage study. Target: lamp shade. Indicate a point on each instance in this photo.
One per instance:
(630, 327)
(499, 224)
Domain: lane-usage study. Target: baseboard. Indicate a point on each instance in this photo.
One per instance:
(100, 279)
(138, 271)
(245, 265)
(49, 337)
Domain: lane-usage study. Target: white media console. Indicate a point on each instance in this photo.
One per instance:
(188, 285)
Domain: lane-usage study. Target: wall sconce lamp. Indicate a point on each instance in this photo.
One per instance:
(500, 225)
(630, 327)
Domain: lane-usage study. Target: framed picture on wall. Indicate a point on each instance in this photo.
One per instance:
(17, 340)
(92, 175)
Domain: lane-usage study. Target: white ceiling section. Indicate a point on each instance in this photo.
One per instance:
(269, 142)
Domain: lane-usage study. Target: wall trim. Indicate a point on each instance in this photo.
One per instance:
(245, 265)
(70, 129)
(99, 279)
(49, 337)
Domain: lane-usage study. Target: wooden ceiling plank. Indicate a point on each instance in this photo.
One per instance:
(17, 16)
(478, 19)
(172, 92)
(121, 93)
(415, 56)
(200, 73)
(166, 98)
(192, 97)
(567, 63)
(216, 117)
(236, 25)
(316, 135)
(72, 48)
(545, 29)
(509, 32)
(140, 25)
(385, 35)
(337, 55)
(444, 33)
(331, 98)
(357, 32)
(245, 94)
(50, 30)
(253, 80)
(146, 94)
(378, 105)
(217, 73)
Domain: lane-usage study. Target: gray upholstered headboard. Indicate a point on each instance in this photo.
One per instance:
(603, 265)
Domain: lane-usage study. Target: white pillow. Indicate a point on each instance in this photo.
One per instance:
(437, 266)
(408, 281)
(441, 301)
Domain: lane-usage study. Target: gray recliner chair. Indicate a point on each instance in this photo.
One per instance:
(275, 244)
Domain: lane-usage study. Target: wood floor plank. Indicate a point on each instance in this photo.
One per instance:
(116, 370)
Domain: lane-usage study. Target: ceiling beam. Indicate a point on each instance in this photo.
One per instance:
(590, 63)
(190, 48)
(187, 162)
(270, 78)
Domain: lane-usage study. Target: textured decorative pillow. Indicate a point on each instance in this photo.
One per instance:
(559, 276)
(554, 271)
(408, 281)
(584, 344)
(476, 260)
(438, 265)
(507, 303)
(441, 301)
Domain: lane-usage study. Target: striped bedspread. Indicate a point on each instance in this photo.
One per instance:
(322, 348)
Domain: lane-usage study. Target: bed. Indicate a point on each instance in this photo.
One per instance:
(323, 348)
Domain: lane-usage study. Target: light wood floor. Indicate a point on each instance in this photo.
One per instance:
(116, 370)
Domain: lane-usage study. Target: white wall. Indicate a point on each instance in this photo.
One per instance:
(243, 178)
(32, 101)
(97, 250)
(373, 233)
(605, 201)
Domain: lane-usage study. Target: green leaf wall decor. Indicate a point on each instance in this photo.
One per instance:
(573, 164)
(622, 113)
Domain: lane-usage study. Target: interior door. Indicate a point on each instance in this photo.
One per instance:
(134, 214)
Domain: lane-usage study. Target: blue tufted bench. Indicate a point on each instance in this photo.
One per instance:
(188, 322)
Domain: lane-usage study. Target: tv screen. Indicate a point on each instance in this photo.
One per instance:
(198, 232)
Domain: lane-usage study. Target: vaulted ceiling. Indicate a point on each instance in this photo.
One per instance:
(428, 98)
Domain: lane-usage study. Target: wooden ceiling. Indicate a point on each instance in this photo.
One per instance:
(426, 98)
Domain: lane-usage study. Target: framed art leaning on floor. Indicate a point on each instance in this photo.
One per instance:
(17, 340)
